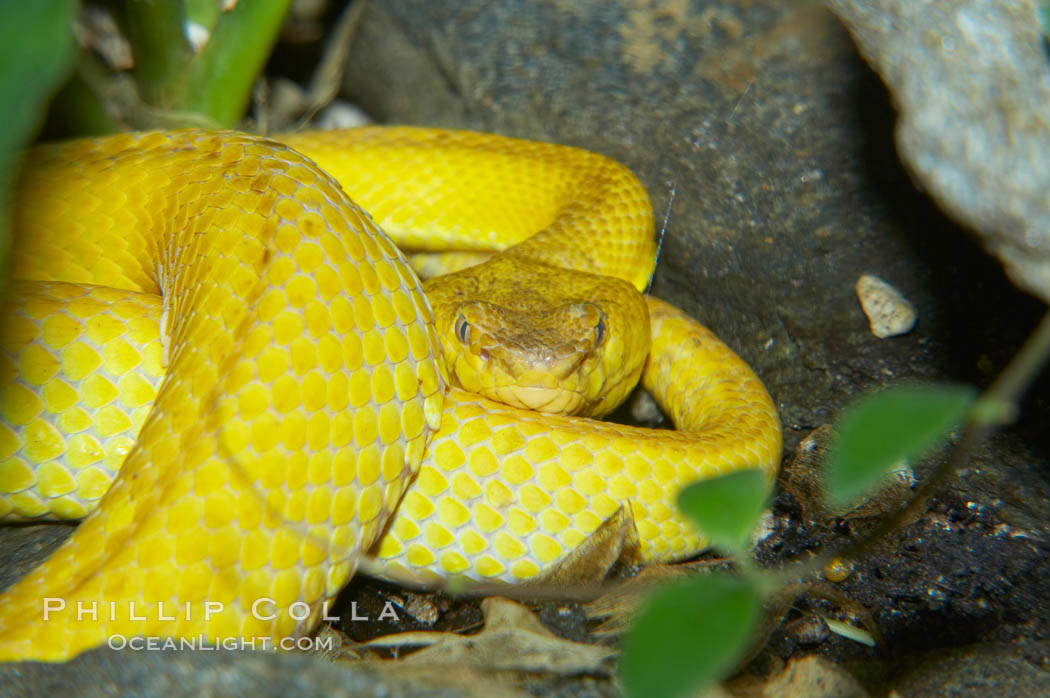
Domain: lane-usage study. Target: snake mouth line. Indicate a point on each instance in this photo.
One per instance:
(541, 399)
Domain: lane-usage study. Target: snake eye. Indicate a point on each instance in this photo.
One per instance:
(599, 331)
(463, 329)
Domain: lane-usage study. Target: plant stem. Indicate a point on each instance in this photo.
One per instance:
(155, 29)
(998, 402)
(219, 79)
(1001, 400)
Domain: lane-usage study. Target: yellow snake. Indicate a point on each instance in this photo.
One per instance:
(210, 315)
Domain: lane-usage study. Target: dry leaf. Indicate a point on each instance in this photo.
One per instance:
(513, 639)
(617, 607)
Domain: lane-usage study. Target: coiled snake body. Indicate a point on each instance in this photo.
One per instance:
(209, 314)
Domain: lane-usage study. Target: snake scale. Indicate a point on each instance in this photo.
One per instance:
(220, 361)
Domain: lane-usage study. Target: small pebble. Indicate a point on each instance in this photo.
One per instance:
(644, 409)
(422, 608)
(889, 313)
(837, 570)
(340, 114)
(766, 526)
(809, 630)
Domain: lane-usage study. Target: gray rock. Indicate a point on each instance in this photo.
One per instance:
(971, 83)
(194, 674)
(973, 672)
(24, 547)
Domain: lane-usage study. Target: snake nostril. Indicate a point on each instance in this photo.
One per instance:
(463, 329)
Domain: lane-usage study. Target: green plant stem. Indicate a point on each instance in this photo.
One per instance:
(1000, 402)
(1003, 394)
(219, 79)
(204, 12)
(762, 582)
(155, 29)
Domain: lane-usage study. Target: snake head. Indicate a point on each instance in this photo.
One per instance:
(544, 344)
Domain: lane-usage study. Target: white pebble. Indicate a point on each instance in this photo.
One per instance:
(889, 313)
(340, 114)
(766, 526)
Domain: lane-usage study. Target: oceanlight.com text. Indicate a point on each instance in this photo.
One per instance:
(137, 643)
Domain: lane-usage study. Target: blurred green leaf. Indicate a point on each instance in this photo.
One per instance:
(36, 53)
(880, 430)
(726, 508)
(687, 636)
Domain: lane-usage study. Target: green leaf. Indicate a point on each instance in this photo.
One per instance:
(688, 635)
(726, 508)
(880, 430)
(36, 52)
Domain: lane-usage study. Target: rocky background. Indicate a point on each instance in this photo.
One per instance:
(780, 147)
(779, 143)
